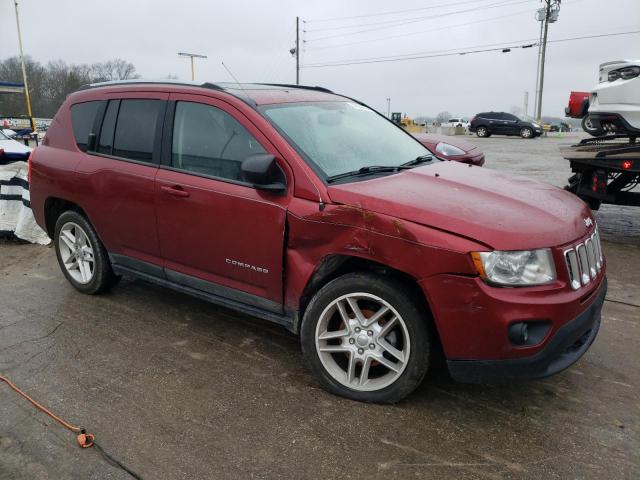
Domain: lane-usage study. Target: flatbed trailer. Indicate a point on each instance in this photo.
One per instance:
(605, 170)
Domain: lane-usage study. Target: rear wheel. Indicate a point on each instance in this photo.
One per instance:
(526, 132)
(82, 257)
(364, 338)
(592, 128)
(482, 132)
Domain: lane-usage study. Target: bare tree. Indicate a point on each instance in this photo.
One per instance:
(443, 117)
(116, 69)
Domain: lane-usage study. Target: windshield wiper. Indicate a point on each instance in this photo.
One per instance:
(368, 170)
(418, 161)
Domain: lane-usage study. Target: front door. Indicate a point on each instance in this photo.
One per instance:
(217, 233)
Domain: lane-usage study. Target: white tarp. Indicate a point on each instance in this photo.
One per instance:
(15, 208)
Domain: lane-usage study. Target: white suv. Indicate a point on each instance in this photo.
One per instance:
(614, 105)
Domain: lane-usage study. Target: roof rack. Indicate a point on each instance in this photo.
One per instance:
(303, 87)
(140, 81)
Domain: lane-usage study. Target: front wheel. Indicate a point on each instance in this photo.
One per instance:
(482, 132)
(364, 338)
(526, 132)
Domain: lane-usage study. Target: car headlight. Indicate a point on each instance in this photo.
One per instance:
(624, 73)
(516, 268)
(536, 125)
(449, 150)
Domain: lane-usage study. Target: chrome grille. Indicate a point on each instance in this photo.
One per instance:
(584, 261)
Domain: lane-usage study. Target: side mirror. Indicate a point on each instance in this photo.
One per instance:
(263, 172)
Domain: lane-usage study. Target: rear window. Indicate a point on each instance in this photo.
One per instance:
(83, 116)
(136, 129)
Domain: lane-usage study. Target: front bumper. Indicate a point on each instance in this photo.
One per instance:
(566, 346)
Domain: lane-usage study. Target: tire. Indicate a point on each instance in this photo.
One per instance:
(482, 132)
(588, 127)
(387, 359)
(81, 255)
(526, 132)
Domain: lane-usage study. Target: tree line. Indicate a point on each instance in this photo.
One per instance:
(49, 84)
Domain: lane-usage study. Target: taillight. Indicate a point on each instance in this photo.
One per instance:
(627, 164)
(1, 152)
(29, 166)
(472, 120)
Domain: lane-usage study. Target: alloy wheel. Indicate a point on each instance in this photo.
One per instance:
(362, 342)
(76, 252)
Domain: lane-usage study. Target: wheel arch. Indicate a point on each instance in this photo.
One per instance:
(54, 207)
(336, 265)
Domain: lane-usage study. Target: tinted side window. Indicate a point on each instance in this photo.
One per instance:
(83, 116)
(208, 140)
(489, 115)
(136, 129)
(508, 116)
(105, 144)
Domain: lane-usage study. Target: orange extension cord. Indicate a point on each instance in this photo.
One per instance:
(84, 439)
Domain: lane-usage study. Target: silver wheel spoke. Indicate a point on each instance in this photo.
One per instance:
(376, 316)
(391, 349)
(68, 239)
(396, 367)
(334, 349)
(351, 369)
(356, 310)
(364, 374)
(333, 334)
(387, 327)
(343, 313)
(83, 270)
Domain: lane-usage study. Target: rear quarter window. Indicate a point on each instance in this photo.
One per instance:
(83, 116)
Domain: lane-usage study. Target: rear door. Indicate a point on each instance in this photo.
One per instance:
(118, 175)
(511, 124)
(218, 233)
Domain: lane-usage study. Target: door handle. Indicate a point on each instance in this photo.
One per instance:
(175, 190)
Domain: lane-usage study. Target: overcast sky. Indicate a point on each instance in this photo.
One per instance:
(253, 38)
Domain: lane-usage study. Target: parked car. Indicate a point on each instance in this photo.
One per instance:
(308, 209)
(452, 148)
(12, 150)
(457, 122)
(614, 104)
(502, 123)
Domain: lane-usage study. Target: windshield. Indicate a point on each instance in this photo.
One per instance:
(340, 137)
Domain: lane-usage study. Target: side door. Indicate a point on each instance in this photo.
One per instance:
(217, 232)
(511, 124)
(118, 176)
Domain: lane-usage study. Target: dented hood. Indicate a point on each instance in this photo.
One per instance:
(503, 211)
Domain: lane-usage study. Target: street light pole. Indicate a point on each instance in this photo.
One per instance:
(192, 56)
(388, 107)
(24, 71)
(551, 10)
(297, 50)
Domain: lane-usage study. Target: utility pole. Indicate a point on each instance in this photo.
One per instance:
(192, 56)
(551, 12)
(525, 104)
(24, 72)
(297, 50)
(388, 107)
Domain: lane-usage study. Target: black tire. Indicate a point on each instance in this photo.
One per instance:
(415, 320)
(588, 127)
(482, 132)
(526, 132)
(103, 277)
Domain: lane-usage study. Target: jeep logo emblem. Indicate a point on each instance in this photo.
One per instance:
(588, 222)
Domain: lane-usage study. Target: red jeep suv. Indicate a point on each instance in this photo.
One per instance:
(311, 210)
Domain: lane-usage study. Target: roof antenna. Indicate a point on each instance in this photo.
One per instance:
(233, 76)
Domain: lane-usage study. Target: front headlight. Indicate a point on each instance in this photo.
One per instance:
(536, 125)
(516, 268)
(448, 150)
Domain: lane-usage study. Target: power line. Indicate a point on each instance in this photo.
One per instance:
(385, 22)
(504, 48)
(446, 27)
(391, 13)
(501, 3)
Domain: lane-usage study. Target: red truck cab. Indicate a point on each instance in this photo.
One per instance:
(309, 209)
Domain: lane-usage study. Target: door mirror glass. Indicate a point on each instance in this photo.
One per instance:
(263, 172)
